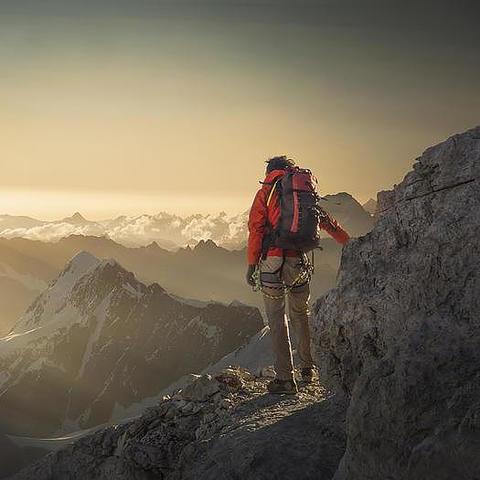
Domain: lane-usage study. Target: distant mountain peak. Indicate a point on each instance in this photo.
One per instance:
(80, 264)
(55, 297)
(206, 245)
(370, 206)
(76, 218)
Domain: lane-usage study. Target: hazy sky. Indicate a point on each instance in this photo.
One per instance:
(113, 107)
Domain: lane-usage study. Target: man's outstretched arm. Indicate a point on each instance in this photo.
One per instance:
(333, 228)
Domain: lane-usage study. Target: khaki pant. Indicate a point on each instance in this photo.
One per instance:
(274, 273)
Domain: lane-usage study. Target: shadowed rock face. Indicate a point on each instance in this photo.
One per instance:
(97, 341)
(400, 333)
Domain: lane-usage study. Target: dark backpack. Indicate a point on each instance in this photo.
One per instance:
(298, 226)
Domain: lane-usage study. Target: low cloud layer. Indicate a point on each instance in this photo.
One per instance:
(173, 231)
(169, 231)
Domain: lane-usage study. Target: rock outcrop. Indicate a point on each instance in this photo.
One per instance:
(221, 426)
(400, 333)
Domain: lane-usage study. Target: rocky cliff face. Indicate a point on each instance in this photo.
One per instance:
(400, 333)
(98, 340)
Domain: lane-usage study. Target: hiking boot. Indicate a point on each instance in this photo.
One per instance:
(283, 386)
(307, 374)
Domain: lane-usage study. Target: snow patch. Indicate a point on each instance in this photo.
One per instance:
(131, 289)
(101, 316)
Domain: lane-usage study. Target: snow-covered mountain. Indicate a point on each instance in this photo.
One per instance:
(167, 230)
(173, 231)
(33, 229)
(97, 340)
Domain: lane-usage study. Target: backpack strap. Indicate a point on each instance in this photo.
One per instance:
(271, 191)
(268, 236)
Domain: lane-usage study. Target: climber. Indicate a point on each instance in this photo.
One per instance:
(284, 224)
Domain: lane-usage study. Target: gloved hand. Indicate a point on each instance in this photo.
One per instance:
(249, 275)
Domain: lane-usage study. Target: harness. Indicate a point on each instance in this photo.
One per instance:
(303, 277)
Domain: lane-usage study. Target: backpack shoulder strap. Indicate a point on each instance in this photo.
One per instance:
(270, 195)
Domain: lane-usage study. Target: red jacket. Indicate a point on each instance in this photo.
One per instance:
(260, 215)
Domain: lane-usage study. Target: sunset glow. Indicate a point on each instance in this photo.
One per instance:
(113, 109)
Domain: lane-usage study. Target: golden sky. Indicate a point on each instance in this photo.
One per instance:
(133, 107)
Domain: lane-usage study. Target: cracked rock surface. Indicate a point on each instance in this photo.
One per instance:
(400, 334)
(224, 426)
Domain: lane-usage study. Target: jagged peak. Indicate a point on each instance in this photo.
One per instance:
(208, 244)
(81, 263)
(77, 217)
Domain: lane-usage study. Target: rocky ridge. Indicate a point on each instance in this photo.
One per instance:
(221, 426)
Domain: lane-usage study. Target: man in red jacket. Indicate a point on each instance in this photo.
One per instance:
(283, 272)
